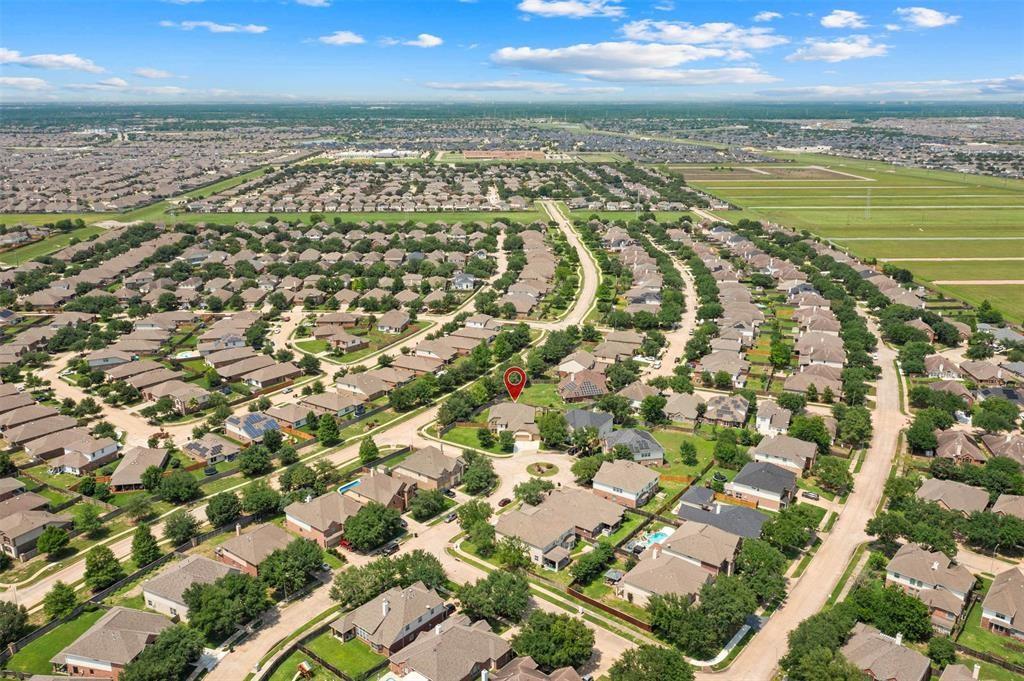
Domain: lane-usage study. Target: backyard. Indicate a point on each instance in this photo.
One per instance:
(35, 657)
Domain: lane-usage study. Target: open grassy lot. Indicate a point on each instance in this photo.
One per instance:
(976, 638)
(1008, 299)
(542, 395)
(671, 440)
(289, 668)
(47, 245)
(884, 211)
(35, 657)
(354, 657)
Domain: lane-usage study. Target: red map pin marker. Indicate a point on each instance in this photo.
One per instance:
(515, 381)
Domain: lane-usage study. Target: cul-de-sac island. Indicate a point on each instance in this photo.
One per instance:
(622, 341)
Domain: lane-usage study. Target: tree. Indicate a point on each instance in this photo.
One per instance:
(327, 431)
(648, 662)
(727, 453)
(169, 658)
(892, 610)
(255, 461)
(52, 540)
(218, 608)
(554, 431)
(223, 509)
(788, 530)
(506, 441)
(942, 651)
(763, 568)
(532, 491)
(726, 602)
(585, 468)
(554, 640)
(60, 600)
(272, 440)
(310, 365)
(138, 508)
(368, 451)
(427, 503)
(994, 415)
(824, 631)
(652, 409)
(811, 429)
(260, 500)
(921, 433)
(512, 554)
(88, 521)
(591, 565)
(151, 477)
(484, 437)
(372, 526)
(13, 622)
(688, 453)
(288, 569)
(144, 547)
(499, 595)
(180, 487)
(479, 476)
(8, 469)
(180, 526)
(101, 568)
(833, 474)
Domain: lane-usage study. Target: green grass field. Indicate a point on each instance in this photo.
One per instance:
(354, 657)
(48, 245)
(883, 211)
(35, 657)
(610, 215)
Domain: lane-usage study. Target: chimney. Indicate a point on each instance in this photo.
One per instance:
(976, 670)
(385, 606)
(899, 638)
(718, 509)
(238, 529)
(437, 629)
(485, 674)
(655, 552)
(935, 565)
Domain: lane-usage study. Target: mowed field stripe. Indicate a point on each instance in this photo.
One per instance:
(863, 207)
(979, 282)
(926, 238)
(943, 259)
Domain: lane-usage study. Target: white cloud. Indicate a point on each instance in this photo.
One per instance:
(922, 17)
(539, 87)
(49, 61)
(214, 27)
(665, 6)
(629, 62)
(854, 47)
(424, 40)
(715, 33)
(342, 38)
(893, 27)
(153, 74)
(26, 84)
(843, 18)
(314, 3)
(573, 9)
(927, 89)
(762, 17)
(107, 84)
(184, 2)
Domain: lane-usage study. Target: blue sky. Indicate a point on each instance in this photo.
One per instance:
(509, 50)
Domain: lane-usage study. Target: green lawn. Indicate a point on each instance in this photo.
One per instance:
(631, 522)
(542, 395)
(976, 638)
(289, 666)
(1008, 299)
(671, 440)
(35, 657)
(47, 245)
(314, 346)
(354, 657)
(466, 437)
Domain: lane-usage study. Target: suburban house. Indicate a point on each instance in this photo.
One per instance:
(684, 407)
(430, 468)
(698, 505)
(288, 415)
(884, 658)
(383, 489)
(393, 321)
(1009, 504)
(939, 366)
(393, 619)
(705, 546)
(526, 669)
(127, 476)
(332, 403)
(165, 592)
(581, 386)
(211, 448)
(599, 421)
(550, 528)
(958, 446)
(771, 418)
(952, 495)
(658, 573)
(116, 639)
(763, 484)
(83, 455)
(454, 650)
(640, 443)
(786, 451)
(520, 419)
(727, 410)
(935, 579)
(625, 482)
(250, 427)
(1003, 608)
(245, 552)
(19, 531)
(321, 519)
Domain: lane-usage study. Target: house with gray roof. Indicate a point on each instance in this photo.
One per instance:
(883, 657)
(246, 552)
(128, 474)
(600, 421)
(625, 482)
(321, 519)
(952, 495)
(115, 640)
(1003, 608)
(640, 443)
(700, 507)
(658, 573)
(786, 451)
(393, 619)
(211, 448)
(455, 650)
(430, 468)
(165, 592)
(763, 484)
(935, 579)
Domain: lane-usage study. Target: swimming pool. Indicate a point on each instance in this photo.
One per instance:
(347, 486)
(658, 537)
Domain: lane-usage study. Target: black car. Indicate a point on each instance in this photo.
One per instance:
(450, 493)
(390, 549)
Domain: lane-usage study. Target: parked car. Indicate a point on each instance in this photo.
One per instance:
(450, 493)
(450, 517)
(390, 549)
(345, 544)
(504, 502)
(810, 495)
(404, 524)
(210, 470)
